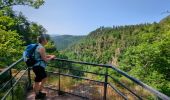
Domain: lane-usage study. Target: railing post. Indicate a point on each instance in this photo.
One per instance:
(29, 78)
(11, 84)
(59, 92)
(105, 84)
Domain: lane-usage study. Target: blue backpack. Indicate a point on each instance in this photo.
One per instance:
(29, 55)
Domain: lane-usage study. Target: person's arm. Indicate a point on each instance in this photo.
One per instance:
(49, 56)
(44, 56)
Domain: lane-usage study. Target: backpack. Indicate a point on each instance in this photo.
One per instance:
(29, 55)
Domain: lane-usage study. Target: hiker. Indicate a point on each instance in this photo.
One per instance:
(39, 66)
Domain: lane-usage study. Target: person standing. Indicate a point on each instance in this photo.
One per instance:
(39, 67)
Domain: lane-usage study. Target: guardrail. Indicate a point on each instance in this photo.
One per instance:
(11, 80)
(108, 85)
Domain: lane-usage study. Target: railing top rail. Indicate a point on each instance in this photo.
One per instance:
(86, 63)
(12, 65)
(159, 94)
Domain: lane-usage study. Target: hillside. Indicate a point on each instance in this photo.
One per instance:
(64, 41)
(141, 50)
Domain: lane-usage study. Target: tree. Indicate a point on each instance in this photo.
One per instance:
(10, 47)
(33, 3)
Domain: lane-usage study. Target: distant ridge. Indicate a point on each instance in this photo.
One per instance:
(64, 41)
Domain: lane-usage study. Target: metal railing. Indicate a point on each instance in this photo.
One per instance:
(107, 83)
(11, 77)
(101, 83)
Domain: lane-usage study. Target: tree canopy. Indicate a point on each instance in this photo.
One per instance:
(32, 3)
(141, 50)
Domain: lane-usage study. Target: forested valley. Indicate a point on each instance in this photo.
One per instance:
(142, 50)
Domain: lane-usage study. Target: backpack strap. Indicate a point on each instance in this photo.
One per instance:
(33, 50)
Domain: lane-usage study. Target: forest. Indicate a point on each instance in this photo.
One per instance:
(142, 51)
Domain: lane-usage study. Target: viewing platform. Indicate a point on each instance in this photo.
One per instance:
(52, 95)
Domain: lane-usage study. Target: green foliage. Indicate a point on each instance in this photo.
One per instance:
(16, 31)
(142, 51)
(10, 47)
(7, 23)
(50, 47)
(32, 3)
(149, 60)
(9, 20)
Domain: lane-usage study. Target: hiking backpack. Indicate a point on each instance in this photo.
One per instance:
(29, 55)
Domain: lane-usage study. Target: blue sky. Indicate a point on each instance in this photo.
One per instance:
(79, 17)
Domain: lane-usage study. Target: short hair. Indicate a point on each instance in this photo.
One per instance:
(41, 38)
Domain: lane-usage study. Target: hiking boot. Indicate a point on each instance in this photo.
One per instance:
(39, 96)
(42, 94)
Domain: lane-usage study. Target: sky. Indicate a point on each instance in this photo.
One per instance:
(80, 17)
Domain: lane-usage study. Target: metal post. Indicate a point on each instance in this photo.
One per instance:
(59, 92)
(11, 85)
(105, 84)
(29, 79)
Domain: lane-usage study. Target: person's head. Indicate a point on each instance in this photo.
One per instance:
(42, 39)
